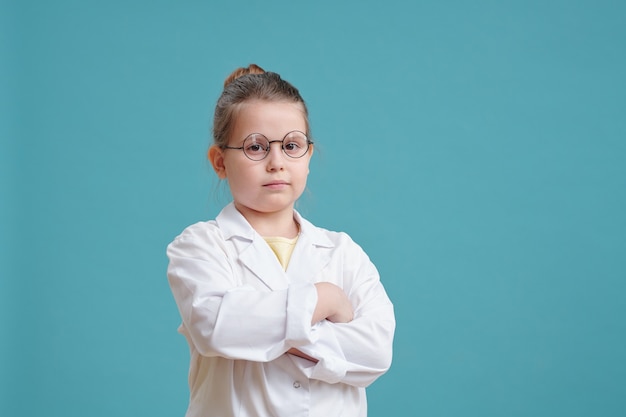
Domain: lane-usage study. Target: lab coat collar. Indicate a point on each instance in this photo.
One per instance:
(233, 224)
(257, 256)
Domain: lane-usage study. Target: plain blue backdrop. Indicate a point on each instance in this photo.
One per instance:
(475, 149)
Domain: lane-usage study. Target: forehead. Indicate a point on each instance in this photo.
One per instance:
(273, 119)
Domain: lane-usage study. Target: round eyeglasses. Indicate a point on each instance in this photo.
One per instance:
(256, 146)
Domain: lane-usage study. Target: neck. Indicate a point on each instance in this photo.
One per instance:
(280, 223)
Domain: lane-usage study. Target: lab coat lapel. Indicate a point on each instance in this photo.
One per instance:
(311, 254)
(258, 257)
(254, 253)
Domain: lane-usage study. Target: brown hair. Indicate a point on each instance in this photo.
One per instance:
(247, 84)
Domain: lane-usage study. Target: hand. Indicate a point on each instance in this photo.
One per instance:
(332, 304)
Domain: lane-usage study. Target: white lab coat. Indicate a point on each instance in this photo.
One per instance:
(241, 312)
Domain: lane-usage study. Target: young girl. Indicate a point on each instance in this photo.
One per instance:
(282, 318)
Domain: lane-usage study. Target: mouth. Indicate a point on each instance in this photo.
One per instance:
(276, 184)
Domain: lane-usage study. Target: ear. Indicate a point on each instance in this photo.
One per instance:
(216, 156)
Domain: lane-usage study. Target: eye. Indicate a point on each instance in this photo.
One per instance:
(256, 145)
(256, 150)
(292, 146)
(295, 144)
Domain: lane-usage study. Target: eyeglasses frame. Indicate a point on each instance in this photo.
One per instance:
(269, 143)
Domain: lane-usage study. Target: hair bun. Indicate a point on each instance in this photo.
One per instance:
(240, 72)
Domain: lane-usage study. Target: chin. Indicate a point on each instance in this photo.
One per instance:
(266, 208)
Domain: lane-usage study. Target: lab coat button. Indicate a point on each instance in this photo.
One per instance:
(296, 384)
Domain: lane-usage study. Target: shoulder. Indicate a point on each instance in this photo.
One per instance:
(227, 224)
(345, 254)
(324, 237)
(198, 235)
(339, 238)
(199, 230)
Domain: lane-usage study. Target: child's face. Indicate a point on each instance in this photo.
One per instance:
(272, 184)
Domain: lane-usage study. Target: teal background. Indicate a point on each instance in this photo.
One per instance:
(475, 149)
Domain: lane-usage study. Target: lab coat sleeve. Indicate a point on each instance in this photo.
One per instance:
(222, 316)
(358, 352)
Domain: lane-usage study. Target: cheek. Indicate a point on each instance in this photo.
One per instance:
(233, 169)
(303, 173)
(235, 177)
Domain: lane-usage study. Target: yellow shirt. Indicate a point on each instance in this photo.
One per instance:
(282, 247)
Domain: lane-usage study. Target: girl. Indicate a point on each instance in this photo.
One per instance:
(282, 318)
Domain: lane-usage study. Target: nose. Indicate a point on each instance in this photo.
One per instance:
(275, 157)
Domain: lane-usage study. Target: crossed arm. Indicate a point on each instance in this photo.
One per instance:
(332, 305)
(348, 339)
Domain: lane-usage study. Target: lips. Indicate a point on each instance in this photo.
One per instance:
(276, 183)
